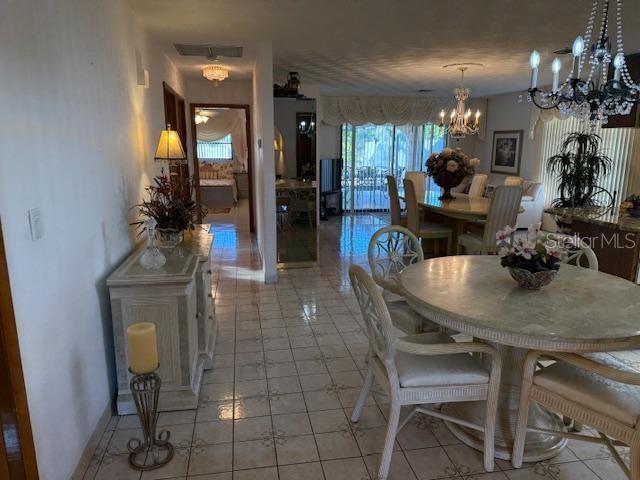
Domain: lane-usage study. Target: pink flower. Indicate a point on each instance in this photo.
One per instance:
(504, 233)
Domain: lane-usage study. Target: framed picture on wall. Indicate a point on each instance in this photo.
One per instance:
(507, 152)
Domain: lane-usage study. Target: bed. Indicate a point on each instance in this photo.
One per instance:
(218, 188)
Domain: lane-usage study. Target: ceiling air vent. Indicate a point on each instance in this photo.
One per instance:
(209, 51)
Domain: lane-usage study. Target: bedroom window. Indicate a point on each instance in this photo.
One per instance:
(217, 150)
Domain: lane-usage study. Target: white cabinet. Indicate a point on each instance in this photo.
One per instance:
(177, 299)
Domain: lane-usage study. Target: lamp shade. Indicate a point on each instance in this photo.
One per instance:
(169, 146)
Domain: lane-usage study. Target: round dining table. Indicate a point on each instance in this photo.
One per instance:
(582, 310)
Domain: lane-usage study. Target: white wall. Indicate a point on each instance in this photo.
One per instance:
(77, 141)
(510, 111)
(264, 166)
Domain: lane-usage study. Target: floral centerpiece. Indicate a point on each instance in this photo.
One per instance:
(449, 167)
(172, 206)
(533, 261)
(633, 205)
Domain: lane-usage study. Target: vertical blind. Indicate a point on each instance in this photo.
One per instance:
(620, 144)
(215, 150)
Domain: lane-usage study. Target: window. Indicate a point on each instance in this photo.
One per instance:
(371, 152)
(218, 150)
(622, 145)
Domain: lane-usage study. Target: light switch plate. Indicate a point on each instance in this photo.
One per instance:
(35, 224)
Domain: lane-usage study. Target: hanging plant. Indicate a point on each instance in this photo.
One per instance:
(578, 169)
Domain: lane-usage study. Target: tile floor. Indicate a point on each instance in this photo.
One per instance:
(289, 363)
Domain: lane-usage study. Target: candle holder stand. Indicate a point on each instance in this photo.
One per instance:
(153, 451)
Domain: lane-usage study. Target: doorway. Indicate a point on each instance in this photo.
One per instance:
(175, 116)
(17, 453)
(222, 158)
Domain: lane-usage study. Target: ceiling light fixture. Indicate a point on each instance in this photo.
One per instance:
(199, 118)
(588, 93)
(461, 123)
(215, 73)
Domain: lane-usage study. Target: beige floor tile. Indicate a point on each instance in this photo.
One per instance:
(268, 473)
(288, 403)
(606, 469)
(321, 400)
(211, 433)
(251, 407)
(336, 445)
(466, 459)
(281, 385)
(292, 424)
(372, 440)
(176, 467)
(346, 469)
(211, 459)
(254, 428)
(399, 470)
(302, 471)
(251, 388)
(329, 421)
(299, 449)
(253, 454)
(116, 467)
(430, 463)
(315, 382)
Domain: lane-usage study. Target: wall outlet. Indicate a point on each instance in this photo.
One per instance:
(35, 224)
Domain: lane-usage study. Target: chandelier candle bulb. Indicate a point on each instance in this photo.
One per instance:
(534, 61)
(143, 347)
(556, 65)
(477, 117)
(618, 63)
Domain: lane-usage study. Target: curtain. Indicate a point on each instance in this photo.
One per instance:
(223, 123)
(396, 111)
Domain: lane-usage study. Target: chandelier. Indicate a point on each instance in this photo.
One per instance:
(307, 126)
(215, 73)
(200, 118)
(588, 93)
(461, 123)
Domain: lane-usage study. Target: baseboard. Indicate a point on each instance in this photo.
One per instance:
(92, 444)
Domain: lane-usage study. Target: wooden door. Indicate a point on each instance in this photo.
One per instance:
(17, 454)
(175, 115)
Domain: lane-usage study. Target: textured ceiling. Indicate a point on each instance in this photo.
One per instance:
(383, 47)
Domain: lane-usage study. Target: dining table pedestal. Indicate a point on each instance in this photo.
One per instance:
(538, 446)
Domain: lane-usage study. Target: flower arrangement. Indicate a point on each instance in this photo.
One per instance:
(532, 260)
(449, 167)
(632, 203)
(170, 204)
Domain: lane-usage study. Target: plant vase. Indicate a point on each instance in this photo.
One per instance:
(532, 280)
(169, 237)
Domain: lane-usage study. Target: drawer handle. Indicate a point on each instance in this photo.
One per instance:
(210, 295)
(198, 315)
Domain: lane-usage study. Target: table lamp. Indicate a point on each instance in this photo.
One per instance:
(170, 147)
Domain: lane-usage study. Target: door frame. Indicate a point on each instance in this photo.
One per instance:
(14, 410)
(196, 171)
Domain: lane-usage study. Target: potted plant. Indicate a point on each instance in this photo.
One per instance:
(171, 205)
(633, 205)
(449, 167)
(532, 261)
(578, 168)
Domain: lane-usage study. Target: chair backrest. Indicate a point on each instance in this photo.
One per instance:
(513, 181)
(394, 200)
(577, 254)
(503, 211)
(418, 182)
(413, 215)
(382, 336)
(478, 185)
(391, 250)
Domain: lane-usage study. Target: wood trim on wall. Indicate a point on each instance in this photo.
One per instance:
(20, 461)
(196, 173)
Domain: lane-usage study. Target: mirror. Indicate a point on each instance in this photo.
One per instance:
(296, 186)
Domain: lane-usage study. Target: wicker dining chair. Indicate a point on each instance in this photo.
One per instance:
(422, 369)
(580, 255)
(478, 185)
(503, 211)
(394, 203)
(391, 250)
(421, 229)
(602, 394)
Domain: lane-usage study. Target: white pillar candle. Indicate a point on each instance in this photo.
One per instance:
(143, 347)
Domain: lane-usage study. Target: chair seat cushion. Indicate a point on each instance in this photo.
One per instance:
(406, 318)
(439, 370)
(617, 400)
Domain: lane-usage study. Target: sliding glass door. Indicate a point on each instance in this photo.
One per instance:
(371, 152)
